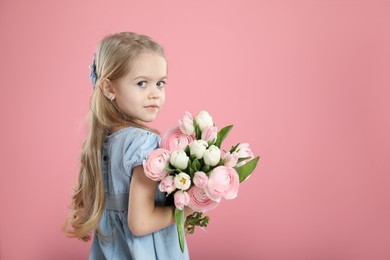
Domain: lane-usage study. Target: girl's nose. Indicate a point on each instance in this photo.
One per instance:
(154, 93)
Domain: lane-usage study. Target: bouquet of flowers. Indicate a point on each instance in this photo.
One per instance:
(190, 166)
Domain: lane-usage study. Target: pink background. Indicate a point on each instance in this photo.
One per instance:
(306, 83)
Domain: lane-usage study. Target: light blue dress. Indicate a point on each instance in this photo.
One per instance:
(121, 152)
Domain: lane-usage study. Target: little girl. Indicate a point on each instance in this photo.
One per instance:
(130, 218)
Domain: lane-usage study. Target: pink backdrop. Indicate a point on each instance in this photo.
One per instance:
(306, 83)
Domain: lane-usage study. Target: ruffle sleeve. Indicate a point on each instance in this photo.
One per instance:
(137, 146)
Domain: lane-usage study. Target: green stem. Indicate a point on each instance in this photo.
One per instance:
(179, 218)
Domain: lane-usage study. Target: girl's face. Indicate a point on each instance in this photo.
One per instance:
(140, 93)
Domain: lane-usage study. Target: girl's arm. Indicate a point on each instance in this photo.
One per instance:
(144, 217)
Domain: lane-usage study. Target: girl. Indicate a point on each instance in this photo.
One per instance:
(114, 198)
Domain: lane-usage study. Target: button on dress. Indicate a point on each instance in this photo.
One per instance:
(122, 151)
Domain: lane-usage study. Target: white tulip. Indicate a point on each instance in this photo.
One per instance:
(212, 155)
(204, 120)
(179, 159)
(197, 148)
(182, 181)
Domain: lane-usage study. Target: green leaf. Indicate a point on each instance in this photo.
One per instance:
(195, 165)
(179, 218)
(242, 159)
(221, 162)
(187, 150)
(197, 130)
(222, 135)
(234, 148)
(245, 170)
(205, 168)
(170, 168)
(195, 219)
(188, 167)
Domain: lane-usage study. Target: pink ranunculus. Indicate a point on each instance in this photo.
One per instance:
(200, 179)
(181, 199)
(186, 124)
(167, 185)
(210, 133)
(223, 183)
(243, 151)
(154, 165)
(174, 139)
(230, 159)
(199, 200)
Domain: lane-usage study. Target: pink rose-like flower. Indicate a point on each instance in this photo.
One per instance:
(186, 124)
(154, 165)
(200, 179)
(230, 159)
(174, 139)
(243, 151)
(167, 185)
(199, 200)
(223, 183)
(181, 199)
(210, 133)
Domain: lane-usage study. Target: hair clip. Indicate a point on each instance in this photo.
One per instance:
(92, 71)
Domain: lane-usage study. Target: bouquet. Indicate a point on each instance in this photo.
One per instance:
(190, 167)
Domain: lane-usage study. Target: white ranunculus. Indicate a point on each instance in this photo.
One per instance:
(204, 120)
(182, 181)
(197, 148)
(179, 159)
(212, 155)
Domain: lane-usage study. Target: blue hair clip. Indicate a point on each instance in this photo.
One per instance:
(92, 71)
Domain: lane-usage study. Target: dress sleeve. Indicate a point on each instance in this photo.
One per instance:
(137, 147)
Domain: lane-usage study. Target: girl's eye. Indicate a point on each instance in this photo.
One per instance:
(142, 84)
(161, 84)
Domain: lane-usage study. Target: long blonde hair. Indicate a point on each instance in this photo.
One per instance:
(112, 62)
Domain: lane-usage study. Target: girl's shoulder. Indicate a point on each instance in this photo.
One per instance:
(132, 140)
(132, 132)
(131, 145)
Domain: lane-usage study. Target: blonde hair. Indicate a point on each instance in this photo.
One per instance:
(112, 62)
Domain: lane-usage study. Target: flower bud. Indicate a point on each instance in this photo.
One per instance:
(210, 134)
(181, 199)
(204, 120)
(186, 124)
(212, 155)
(167, 184)
(243, 151)
(197, 148)
(179, 159)
(230, 159)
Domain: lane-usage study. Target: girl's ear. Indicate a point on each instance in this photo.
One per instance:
(108, 89)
